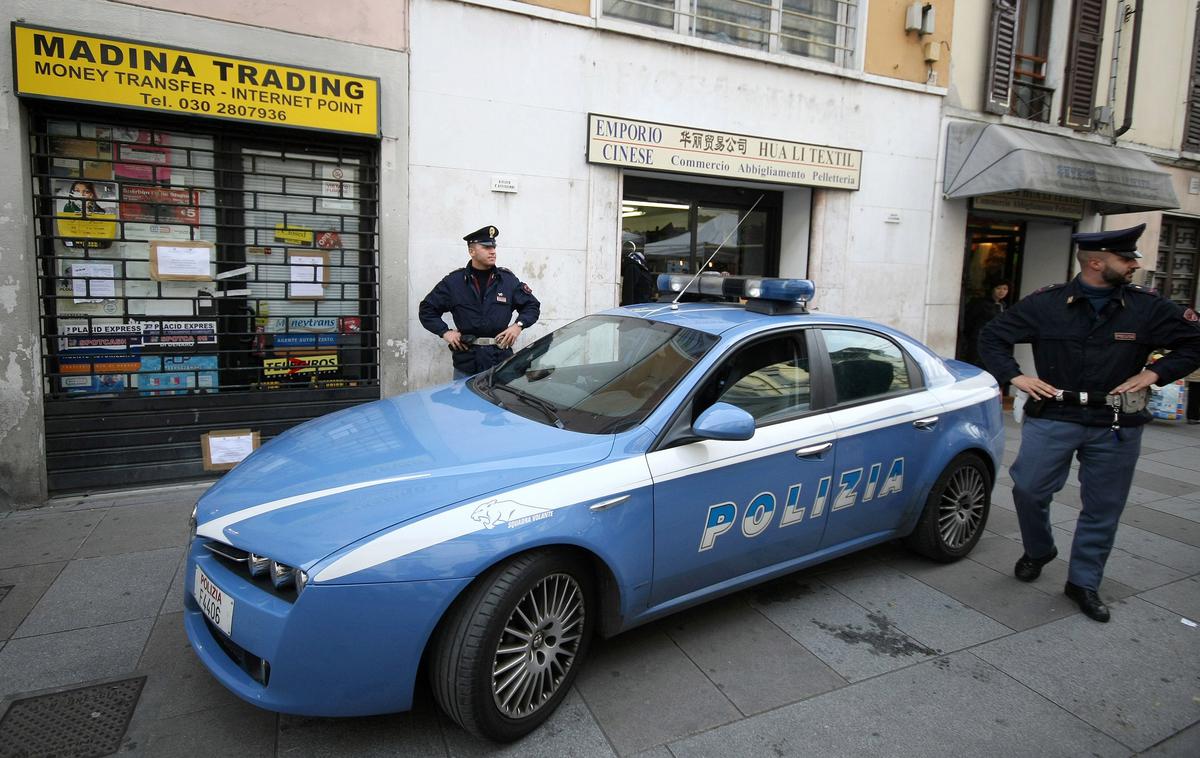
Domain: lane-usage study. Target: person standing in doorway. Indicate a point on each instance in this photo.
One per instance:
(1091, 338)
(482, 298)
(1193, 397)
(980, 311)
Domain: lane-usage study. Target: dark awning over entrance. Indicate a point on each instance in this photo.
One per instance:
(985, 159)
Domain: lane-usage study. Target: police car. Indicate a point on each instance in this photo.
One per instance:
(628, 465)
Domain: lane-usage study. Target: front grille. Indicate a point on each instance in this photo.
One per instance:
(238, 561)
(257, 668)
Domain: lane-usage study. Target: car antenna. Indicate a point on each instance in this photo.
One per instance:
(675, 302)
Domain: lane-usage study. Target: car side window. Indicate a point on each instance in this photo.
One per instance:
(865, 365)
(768, 379)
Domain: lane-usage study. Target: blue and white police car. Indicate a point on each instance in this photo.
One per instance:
(626, 466)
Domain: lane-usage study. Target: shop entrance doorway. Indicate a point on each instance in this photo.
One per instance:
(994, 249)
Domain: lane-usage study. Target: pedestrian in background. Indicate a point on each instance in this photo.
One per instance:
(482, 298)
(1193, 397)
(1091, 338)
(980, 311)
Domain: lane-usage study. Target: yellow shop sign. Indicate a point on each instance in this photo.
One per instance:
(65, 65)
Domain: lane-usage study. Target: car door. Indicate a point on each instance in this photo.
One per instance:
(724, 508)
(886, 428)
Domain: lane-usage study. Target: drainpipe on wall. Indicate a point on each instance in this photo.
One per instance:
(1131, 82)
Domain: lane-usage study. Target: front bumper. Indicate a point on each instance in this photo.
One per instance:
(338, 650)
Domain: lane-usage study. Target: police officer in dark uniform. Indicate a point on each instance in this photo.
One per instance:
(1091, 338)
(481, 297)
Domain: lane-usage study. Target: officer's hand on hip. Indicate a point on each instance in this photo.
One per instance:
(1134, 383)
(507, 337)
(453, 338)
(1036, 388)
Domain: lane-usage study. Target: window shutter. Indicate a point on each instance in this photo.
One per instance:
(1001, 58)
(1083, 59)
(1191, 131)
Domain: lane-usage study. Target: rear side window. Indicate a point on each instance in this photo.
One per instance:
(769, 380)
(865, 365)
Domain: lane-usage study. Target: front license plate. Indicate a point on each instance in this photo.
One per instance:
(217, 605)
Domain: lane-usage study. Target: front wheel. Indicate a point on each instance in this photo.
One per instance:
(509, 649)
(956, 511)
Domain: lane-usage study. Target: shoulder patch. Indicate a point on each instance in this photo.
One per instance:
(1190, 315)
(527, 291)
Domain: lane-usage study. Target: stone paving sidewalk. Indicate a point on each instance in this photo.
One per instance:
(879, 653)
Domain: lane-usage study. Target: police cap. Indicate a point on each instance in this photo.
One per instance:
(485, 236)
(1122, 242)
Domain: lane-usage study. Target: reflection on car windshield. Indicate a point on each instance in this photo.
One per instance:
(601, 374)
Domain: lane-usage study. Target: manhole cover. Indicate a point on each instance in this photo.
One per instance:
(79, 723)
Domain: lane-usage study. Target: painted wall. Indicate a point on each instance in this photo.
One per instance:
(891, 51)
(22, 446)
(378, 23)
(1164, 71)
(501, 110)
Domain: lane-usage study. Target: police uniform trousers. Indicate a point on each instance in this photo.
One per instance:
(1106, 466)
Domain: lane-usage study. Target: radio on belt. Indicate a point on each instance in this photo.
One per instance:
(763, 294)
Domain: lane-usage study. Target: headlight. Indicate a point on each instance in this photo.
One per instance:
(281, 575)
(258, 564)
(192, 524)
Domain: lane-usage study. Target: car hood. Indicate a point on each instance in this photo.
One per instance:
(332, 481)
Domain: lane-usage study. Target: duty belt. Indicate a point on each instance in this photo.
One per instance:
(1084, 398)
(473, 341)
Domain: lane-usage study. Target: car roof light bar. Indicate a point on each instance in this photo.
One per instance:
(763, 294)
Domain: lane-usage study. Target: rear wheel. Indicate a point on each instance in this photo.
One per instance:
(509, 649)
(956, 511)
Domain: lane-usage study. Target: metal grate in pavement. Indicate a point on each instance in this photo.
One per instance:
(86, 722)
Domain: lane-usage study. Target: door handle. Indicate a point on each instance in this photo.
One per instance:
(813, 450)
(926, 423)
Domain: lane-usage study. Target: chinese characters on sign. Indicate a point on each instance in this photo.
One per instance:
(687, 150)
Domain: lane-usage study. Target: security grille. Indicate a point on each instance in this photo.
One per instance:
(196, 280)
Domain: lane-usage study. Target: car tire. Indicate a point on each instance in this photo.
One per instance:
(507, 652)
(956, 512)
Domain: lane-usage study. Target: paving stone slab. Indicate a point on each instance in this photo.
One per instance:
(1182, 597)
(643, 691)
(1162, 550)
(955, 705)
(1168, 434)
(1180, 507)
(853, 641)
(173, 602)
(1182, 457)
(241, 730)
(416, 733)
(96, 591)
(43, 537)
(1001, 553)
(570, 731)
(748, 658)
(1185, 744)
(1187, 476)
(1135, 678)
(1163, 524)
(176, 682)
(67, 658)
(929, 616)
(1165, 484)
(138, 528)
(998, 596)
(1125, 567)
(28, 584)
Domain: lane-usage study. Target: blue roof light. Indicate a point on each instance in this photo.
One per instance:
(749, 287)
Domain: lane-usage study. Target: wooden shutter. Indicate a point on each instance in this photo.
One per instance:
(1083, 63)
(1001, 57)
(1191, 130)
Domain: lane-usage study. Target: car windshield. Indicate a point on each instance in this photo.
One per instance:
(599, 375)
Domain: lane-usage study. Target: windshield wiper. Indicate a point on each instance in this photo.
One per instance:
(545, 406)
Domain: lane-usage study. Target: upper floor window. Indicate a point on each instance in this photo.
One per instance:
(1019, 59)
(823, 29)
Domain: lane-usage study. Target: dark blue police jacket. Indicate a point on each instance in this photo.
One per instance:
(1076, 349)
(481, 314)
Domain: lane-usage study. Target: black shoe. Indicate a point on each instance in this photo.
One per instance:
(1088, 601)
(1028, 569)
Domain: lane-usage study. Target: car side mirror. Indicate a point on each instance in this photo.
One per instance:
(722, 421)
